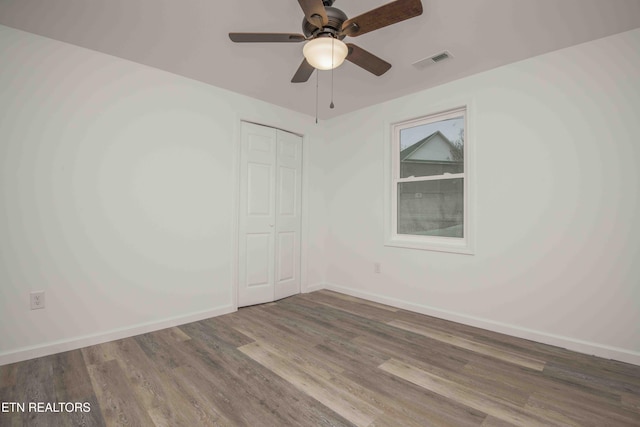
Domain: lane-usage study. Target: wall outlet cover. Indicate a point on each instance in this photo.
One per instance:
(37, 300)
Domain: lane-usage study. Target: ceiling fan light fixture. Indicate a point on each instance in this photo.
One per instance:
(318, 52)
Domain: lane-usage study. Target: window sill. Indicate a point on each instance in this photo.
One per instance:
(435, 244)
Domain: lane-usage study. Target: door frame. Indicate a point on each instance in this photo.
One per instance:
(235, 206)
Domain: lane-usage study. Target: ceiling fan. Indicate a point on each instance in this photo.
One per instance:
(324, 28)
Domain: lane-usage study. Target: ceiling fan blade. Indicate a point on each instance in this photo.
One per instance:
(385, 15)
(367, 60)
(304, 72)
(266, 37)
(314, 12)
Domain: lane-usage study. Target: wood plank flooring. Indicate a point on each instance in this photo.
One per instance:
(324, 359)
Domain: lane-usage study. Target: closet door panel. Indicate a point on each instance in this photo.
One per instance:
(288, 217)
(258, 168)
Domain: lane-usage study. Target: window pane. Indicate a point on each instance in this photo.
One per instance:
(432, 149)
(431, 208)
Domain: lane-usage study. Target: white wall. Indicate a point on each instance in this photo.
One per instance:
(116, 195)
(558, 201)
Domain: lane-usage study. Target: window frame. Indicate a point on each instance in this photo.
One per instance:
(463, 245)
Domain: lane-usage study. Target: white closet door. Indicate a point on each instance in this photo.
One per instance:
(257, 214)
(269, 223)
(288, 218)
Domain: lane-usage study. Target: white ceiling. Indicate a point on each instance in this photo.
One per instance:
(189, 38)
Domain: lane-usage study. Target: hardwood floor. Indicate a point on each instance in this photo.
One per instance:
(324, 359)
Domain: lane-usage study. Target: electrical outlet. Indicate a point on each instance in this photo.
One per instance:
(37, 300)
(376, 267)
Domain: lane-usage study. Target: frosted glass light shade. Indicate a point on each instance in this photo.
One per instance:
(318, 52)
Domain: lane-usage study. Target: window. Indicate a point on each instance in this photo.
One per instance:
(429, 191)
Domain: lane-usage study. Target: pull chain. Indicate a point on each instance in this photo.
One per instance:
(317, 72)
(331, 105)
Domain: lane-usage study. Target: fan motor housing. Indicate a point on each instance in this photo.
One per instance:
(333, 27)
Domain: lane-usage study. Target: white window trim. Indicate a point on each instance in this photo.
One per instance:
(465, 245)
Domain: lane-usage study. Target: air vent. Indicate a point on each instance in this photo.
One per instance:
(440, 57)
(433, 59)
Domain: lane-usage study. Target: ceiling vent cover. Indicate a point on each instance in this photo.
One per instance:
(433, 59)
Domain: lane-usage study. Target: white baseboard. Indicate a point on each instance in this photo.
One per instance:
(585, 347)
(53, 347)
(314, 287)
